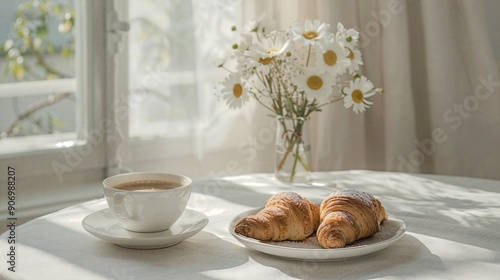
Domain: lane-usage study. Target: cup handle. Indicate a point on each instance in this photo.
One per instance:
(119, 205)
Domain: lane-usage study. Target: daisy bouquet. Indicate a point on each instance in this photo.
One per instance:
(293, 73)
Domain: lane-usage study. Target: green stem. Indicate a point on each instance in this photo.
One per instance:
(293, 143)
(260, 102)
(292, 174)
(308, 55)
(330, 102)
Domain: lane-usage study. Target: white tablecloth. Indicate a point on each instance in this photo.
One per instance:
(453, 232)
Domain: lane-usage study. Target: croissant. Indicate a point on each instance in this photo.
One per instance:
(286, 216)
(347, 216)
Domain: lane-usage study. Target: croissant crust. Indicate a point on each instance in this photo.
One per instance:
(286, 216)
(347, 216)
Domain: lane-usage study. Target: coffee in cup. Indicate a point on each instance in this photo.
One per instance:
(147, 186)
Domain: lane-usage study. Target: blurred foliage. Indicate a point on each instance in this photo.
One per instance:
(30, 38)
(45, 124)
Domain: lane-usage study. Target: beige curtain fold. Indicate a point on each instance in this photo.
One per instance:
(440, 111)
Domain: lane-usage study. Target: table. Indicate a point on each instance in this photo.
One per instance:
(453, 232)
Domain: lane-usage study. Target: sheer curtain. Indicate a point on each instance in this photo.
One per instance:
(175, 121)
(440, 111)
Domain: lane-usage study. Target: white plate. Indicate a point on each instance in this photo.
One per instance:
(309, 250)
(104, 225)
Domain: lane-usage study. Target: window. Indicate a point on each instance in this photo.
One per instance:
(37, 88)
(55, 169)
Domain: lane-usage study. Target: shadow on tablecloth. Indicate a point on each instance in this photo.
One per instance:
(403, 259)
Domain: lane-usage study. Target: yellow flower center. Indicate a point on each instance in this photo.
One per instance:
(357, 96)
(330, 58)
(351, 54)
(237, 90)
(314, 82)
(266, 60)
(309, 35)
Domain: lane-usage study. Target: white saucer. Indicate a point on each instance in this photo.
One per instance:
(105, 226)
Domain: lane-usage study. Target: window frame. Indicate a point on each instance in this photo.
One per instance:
(90, 91)
(59, 170)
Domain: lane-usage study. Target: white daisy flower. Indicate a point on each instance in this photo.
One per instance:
(356, 60)
(314, 82)
(262, 53)
(356, 94)
(253, 25)
(234, 91)
(311, 32)
(257, 24)
(244, 45)
(347, 37)
(332, 57)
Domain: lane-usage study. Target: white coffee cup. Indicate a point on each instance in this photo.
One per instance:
(147, 201)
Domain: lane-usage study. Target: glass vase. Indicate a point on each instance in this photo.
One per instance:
(293, 150)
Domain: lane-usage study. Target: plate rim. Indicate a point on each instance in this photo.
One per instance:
(322, 251)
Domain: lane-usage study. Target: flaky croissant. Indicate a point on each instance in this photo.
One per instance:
(347, 216)
(286, 216)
